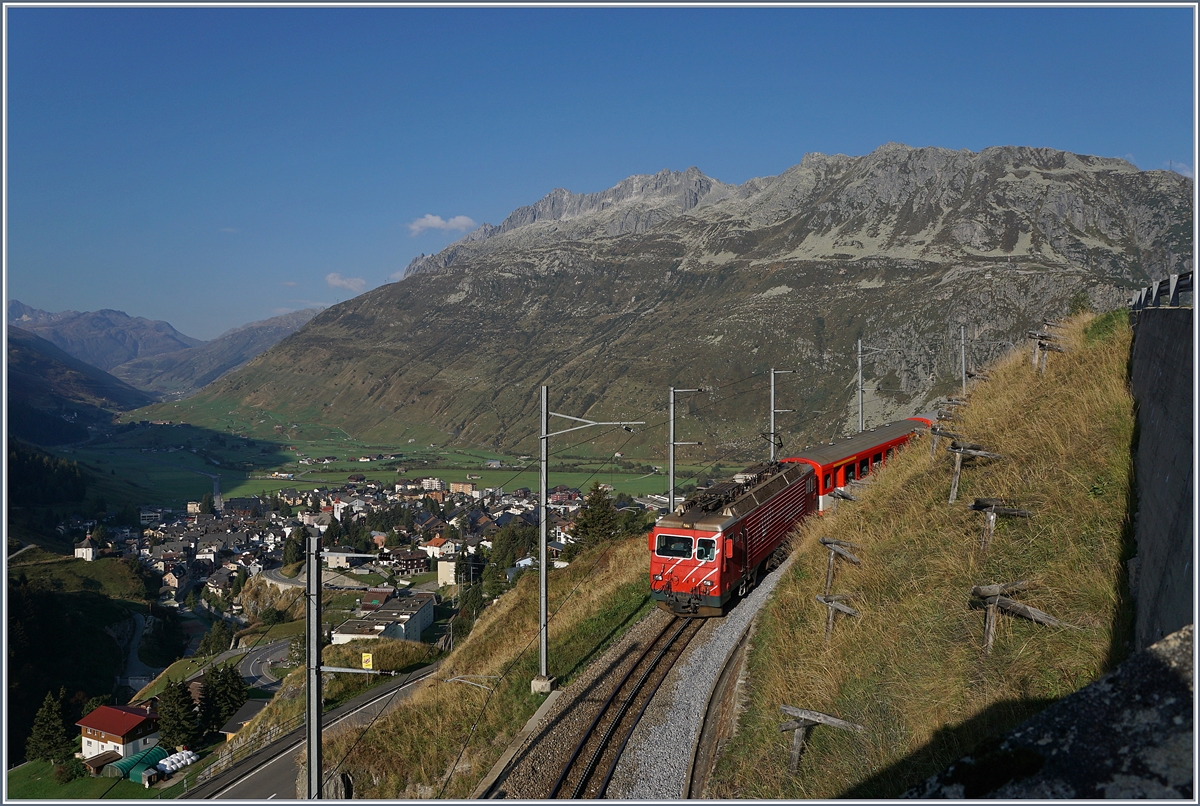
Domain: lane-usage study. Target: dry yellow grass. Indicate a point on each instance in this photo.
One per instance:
(411, 752)
(911, 670)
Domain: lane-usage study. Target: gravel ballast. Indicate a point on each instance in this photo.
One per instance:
(655, 764)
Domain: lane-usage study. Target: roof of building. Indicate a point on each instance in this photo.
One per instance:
(248, 711)
(116, 719)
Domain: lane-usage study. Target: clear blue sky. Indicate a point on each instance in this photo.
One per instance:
(214, 166)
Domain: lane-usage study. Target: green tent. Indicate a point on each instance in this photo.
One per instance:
(123, 768)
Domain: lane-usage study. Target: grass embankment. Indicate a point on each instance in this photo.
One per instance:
(387, 656)
(35, 781)
(912, 670)
(411, 751)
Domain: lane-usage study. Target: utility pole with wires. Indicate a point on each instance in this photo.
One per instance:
(313, 630)
(671, 443)
(962, 335)
(861, 424)
(543, 683)
(775, 441)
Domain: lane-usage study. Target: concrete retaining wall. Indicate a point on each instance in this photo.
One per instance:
(1161, 377)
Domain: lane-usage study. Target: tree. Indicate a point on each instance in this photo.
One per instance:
(270, 616)
(216, 640)
(50, 740)
(206, 504)
(96, 702)
(207, 712)
(293, 552)
(190, 602)
(177, 718)
(596, 522)
(228, 691)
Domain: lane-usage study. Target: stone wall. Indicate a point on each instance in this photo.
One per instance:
(1162, 571)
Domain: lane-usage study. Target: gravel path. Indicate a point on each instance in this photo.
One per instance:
(655, 765)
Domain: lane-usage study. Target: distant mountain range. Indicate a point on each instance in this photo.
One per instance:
(679, 279)
(53, 397)
(152, 355)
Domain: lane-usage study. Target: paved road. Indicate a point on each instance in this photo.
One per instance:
(271, 774)
(255, 667)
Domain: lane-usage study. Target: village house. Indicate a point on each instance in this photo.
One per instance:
(405, 561)
(403, 618)
(86, 550)
(113, 732)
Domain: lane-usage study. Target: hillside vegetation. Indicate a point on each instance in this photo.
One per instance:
(912, 670)
(410, 752)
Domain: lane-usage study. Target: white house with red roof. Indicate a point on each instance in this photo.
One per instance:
(122, 729)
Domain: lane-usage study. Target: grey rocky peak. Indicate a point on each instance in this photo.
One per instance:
(931, 204)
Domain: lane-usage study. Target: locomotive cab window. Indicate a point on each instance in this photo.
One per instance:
(674, 546)
(706, 549)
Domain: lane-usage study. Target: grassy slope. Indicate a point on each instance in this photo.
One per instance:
(409, 752)
(911, 670)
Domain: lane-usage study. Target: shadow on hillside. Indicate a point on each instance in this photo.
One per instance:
(950, 744)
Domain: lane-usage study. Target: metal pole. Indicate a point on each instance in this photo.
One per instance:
(313, 629)
(772, 414)
(671, 451)
(962, 332)
(542, 533)
(860, 402)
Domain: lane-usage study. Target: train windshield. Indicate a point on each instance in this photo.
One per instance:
(706, 549)
(674, 546)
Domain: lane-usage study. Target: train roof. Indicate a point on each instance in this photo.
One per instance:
(835, 452)
(714, 508)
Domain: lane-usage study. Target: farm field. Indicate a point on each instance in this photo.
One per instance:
(169, 465)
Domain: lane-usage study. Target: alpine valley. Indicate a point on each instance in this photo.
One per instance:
(677, 279)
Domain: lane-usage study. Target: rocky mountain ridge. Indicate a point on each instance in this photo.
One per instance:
(905, 248)
(1042, 205)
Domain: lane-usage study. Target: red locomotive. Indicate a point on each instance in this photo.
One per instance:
(718, 543)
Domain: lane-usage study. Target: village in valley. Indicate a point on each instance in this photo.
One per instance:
(405, 553)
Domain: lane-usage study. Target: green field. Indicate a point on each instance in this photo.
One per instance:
(35, 781)
(169, 465)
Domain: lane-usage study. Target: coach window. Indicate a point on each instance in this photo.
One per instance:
(877, 459)
(890, 452)
(706, 549)
(674, 546)
(828, 481)
(864, 467)
(849, 473)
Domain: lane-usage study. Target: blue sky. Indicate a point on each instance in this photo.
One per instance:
(215, 166)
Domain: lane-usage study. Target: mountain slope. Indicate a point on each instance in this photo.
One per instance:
(104, 339)
(901, 247)
(182, 372)
(53, 396)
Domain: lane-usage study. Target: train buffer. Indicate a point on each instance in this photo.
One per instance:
(802, 722)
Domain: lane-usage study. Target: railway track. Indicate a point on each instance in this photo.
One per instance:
(590, 766)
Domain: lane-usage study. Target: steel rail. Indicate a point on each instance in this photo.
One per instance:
(562, 776)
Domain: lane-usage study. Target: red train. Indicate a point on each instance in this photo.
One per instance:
(718, 543)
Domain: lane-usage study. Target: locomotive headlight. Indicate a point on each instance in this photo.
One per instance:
(658, 577)
(706, 583)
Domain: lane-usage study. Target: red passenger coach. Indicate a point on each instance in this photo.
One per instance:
(838, 463)
(717, 544)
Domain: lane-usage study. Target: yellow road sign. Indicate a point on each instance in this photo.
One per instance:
(366, 660)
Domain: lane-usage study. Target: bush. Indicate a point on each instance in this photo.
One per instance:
(69, 770)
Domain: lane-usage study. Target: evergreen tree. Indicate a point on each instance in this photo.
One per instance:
(293, 552)
(596, 522)
(50, 740)
(177, 723)
(206, 709)
(190, 602)
(206, 504)
(229, 691)
(216, 640)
